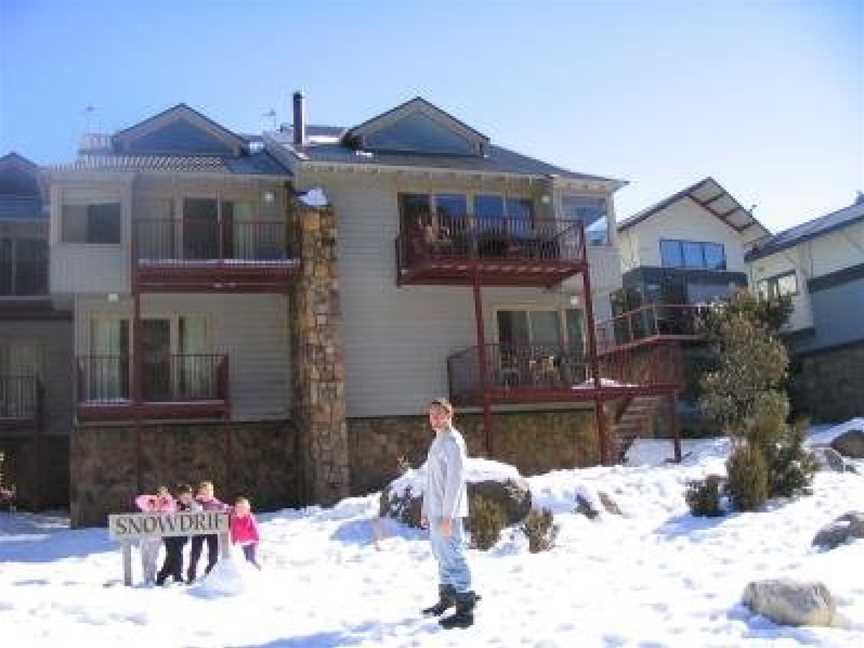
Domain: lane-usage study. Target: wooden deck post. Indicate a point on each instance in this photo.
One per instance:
(676, 427)
(599, 415)
(481, 359)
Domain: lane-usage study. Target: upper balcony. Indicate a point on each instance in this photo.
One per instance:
(184, 255)
(498, 252)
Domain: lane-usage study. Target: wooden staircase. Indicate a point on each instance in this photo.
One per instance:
(632, 417)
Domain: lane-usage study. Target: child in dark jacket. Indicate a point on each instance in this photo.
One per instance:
(207, 501)
(173, 565)
(244, 530)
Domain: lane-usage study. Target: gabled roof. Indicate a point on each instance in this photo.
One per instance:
(178, 125)
(363, 135)
(711, 196)
(835, 220)
(259, 163)
(20, 194)
(13, 159)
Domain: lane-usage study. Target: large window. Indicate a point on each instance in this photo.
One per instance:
(523, 327)
(93, 223)
(692, 254)
(778, 286)
(592, 213)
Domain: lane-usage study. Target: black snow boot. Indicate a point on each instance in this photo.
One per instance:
(463, 617)
(446, 600)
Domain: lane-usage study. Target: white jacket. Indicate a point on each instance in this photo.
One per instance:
(446, 495)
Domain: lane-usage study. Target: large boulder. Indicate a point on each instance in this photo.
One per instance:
(829, 459)
(844, 529)
(501, 483)
(850, 444)
(788, 602)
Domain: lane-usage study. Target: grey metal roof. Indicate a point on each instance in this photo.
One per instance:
(811, 229)
(260, 163)
(709, 194)
(498, 160)
(21, 207)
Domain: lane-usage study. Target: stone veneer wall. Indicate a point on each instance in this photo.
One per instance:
(534, 442)
(112, 464)
(829, 385)
(316, 350)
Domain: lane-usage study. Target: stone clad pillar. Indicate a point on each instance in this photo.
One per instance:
(318, 371)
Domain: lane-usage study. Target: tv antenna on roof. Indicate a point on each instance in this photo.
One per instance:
(272, 115)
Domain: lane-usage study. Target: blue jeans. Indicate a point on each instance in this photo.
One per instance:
(450, 554)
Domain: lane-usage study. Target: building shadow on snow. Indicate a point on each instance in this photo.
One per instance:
(45, 537)
(347, 637)
(368, 531)
(691, 525)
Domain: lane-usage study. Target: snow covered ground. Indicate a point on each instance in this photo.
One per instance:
(336, 577)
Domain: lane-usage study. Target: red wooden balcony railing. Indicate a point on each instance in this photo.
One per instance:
(510, 251)
(20, 397)
(538, 373)
(170, 386)
(671, 321)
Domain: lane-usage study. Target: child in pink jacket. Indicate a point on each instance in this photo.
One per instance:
(161, 502)
(244, 529)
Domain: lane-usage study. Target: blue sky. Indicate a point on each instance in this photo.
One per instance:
(767, 97)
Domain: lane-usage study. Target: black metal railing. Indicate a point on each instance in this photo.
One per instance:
(23, 278)
(164, 378)
(430, 237)
(20, 397)
(169, 241)
(651, 320)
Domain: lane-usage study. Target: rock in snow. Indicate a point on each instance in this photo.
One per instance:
(829, 459)
(790, 602)
(850, 444)
(493, 480)
(847, 527)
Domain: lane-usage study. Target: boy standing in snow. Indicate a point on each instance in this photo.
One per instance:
(161, 502)
(445, 504)
(207, 501)
(244, 529)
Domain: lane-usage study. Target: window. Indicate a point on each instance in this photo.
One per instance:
(540, 327)
(520, 212)
(93, 223)
(778, 286)
(592, 213)
(489, 210)
(692, 254)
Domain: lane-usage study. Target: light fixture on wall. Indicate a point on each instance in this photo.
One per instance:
(575, 302)
(113, 298)
(269, 197)
(545, 199)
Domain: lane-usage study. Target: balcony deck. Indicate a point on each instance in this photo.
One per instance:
(193, 256)
(500, 252)
(176, 387)
(551, 373)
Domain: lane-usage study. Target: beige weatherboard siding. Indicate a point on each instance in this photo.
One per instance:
(777, 264)
(684, 220)
(397, 339)
(251, 329)
(83, 267)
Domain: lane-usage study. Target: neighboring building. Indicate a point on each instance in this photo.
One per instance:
(820, 264)
(35, 346)
(274, 313)
(686, 250)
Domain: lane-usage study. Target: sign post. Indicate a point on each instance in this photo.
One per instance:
(127, 527)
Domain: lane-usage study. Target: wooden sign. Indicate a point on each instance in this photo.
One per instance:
(128, 527)
(132, 526)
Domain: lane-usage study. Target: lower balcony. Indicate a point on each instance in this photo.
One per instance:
(552, 373)
(187, 386)
(20, 402)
